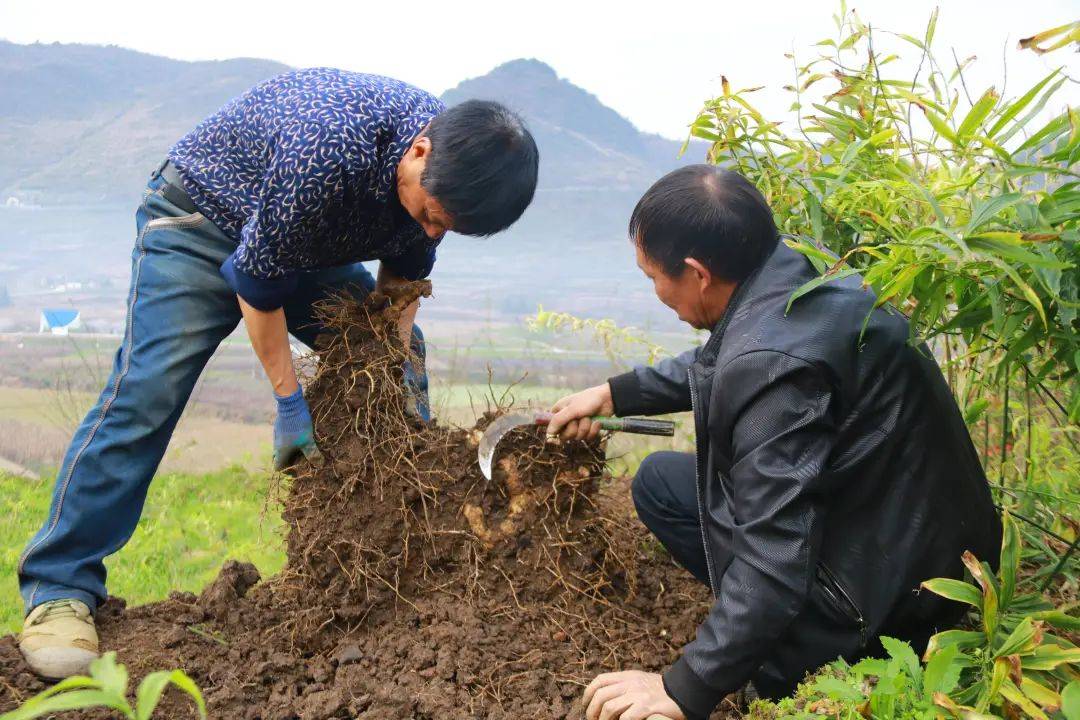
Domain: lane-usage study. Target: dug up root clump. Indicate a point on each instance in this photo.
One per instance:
(414, 588)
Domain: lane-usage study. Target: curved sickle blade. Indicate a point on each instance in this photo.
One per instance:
(494, 433)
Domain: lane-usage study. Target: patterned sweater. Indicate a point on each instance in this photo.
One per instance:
(301, 171)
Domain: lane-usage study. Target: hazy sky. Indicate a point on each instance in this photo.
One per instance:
(653, 62)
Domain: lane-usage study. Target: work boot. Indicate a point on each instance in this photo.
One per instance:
(59, 639)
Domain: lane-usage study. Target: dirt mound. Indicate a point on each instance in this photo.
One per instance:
(414, 588)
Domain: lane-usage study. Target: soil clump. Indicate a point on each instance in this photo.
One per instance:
(414, 588)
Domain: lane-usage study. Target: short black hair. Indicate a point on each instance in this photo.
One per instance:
(483, 166)
(713, 215)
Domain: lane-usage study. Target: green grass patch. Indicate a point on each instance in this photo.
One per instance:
(191, 524)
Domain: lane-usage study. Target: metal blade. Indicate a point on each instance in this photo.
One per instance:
(494, 433)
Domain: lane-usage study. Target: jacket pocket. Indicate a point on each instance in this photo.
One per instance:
(839, 599)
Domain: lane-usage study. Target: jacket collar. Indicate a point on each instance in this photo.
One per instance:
(712, 346)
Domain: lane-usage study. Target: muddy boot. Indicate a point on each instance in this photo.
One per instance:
(59, 639)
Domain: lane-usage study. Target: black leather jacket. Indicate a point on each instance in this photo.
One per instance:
(834, 473)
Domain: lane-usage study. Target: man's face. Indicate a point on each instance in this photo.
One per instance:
(685, 294)
(418, 202)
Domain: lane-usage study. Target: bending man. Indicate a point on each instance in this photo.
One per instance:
(259, 212)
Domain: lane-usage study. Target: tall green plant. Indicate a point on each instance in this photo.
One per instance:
(962, 209)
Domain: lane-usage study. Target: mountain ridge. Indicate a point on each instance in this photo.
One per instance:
(85, 123)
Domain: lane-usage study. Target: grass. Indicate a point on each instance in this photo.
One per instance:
(190, 526)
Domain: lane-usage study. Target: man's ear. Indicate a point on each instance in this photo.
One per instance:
(421, 146)
(704, 275)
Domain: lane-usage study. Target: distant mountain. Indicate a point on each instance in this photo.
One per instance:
(85, 124)
(82, 123)
(584, 144)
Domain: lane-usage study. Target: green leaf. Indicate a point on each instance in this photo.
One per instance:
(1049, 657)
(942, 674)
(1010, 559)
(837, 689)
(1058, 619)
(1018, 105)
(901, 652)
(957, 590)
(1013, 695)
(818, 282)
(977, 115)
(112, 676)
(1070, 701)
(154, 684)
(1008, 245)
(75, 700)
(1020, 641)
(930, 27)
(1040, 694)
(940, 125)
(986, 210)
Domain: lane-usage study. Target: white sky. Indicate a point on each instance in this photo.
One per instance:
(653, 62)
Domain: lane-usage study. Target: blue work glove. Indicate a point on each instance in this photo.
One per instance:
(293, 433)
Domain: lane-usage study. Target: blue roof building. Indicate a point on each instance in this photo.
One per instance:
(59, 321)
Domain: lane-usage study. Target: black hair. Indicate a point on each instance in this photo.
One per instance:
(483, 166)
(713, 215)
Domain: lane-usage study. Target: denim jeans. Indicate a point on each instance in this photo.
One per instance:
(665, 497)
(179, 310)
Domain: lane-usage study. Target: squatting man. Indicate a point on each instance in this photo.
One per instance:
(833, 471)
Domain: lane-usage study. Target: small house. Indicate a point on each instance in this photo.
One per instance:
(59, 321)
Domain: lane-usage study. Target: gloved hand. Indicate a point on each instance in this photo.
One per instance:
(293, 432)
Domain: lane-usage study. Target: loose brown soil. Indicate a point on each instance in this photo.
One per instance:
(414, 588)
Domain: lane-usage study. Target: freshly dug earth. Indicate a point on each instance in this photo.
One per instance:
(414, 588)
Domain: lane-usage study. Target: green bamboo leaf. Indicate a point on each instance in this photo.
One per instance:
(1058, 618)
(989, 593)
(962, 639)
(1021, 640)
(930, 27)
(977, 115)
(986, 210)
(818, 282)
(1048, 132)
(1008, 245)
(1015, 108)
(913, 40)
(1010, 559)
(1013, 694)
(1040, 694)
(940, 125)
(1070, 701)
(1049, 657)
(1029, 293)
(998, 676)
(957, 590)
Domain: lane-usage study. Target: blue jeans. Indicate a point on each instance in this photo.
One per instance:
(179, 310)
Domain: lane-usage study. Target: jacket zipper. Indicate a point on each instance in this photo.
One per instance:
(836, 591)
(699, 484)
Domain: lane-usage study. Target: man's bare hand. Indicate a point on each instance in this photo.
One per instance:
(386, 283)
(629, 695)
(572, 413)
